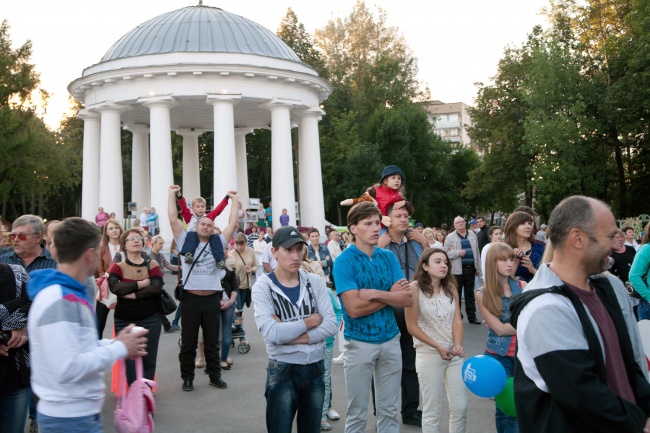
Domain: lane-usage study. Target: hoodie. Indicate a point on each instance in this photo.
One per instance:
(68, 361)
(270, 300)
(560, 376)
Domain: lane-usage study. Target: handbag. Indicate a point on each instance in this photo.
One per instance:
(167, 303)
(631, 291)
(104, 295)
(133, 411)
(179, 290)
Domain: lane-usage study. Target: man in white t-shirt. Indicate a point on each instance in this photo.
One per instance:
(268, 261)
(203, 260)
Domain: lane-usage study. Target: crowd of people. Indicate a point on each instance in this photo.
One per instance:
(560, 303)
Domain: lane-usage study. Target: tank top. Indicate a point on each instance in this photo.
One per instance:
(435, 318)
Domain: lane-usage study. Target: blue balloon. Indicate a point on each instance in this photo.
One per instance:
(484, 375)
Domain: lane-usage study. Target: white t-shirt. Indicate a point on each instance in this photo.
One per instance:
(205, 275)
(267, 257)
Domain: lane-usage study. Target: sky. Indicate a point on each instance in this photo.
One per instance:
(457, 42)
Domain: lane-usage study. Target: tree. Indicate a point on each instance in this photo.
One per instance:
(293, 33)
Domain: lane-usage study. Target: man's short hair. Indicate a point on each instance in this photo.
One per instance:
(480, 218)
(35, 222)
(572, 212)
(407, 205)
(361, 211)
(73, 237)
(198, 200)
(312, 230)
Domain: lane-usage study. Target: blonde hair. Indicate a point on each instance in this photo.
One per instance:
(492, 290)
(198, 200)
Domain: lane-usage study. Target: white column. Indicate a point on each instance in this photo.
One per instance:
(140, 186)
(242, 165)
(312, 201)
(162, 174)
(90, 182)
(283, 194)
(225, 171)
(191, 187)
(111, 186)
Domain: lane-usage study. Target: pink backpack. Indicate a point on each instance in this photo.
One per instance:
(134, 409)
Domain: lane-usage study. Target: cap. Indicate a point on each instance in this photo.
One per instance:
(472, 221)
(418, 225)
(286, 237)
(390, 170)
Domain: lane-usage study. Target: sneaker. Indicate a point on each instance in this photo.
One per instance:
(218, 382)
(324, 426)
(332, 414)
(338, 360)
(188, 385)
(176, 328)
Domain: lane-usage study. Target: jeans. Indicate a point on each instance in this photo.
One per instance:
(13, 409)
(152, 323)
(466, 282)
(643, 309)
(81, 424)
(435, 375)
(202, 312)
(327, 378)
(362, 361)
(292, 388)
(505, 423)
(227, 316)
(177, 317)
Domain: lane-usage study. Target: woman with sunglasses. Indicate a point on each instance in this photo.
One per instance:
(110, 246)
(137, 283)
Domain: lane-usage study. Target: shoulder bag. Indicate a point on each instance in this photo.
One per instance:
(180, 288)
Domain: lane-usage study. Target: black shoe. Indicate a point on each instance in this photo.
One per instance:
(474, 322)
(412, 421)
(218, 382)
(187, 385)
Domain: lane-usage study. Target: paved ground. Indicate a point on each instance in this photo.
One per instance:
(241, 407)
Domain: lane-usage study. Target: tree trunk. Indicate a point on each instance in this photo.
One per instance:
(620, 174)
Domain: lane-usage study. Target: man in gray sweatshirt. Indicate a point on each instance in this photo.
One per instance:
(294, 314)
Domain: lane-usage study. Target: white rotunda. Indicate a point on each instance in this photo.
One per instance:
(195, 69)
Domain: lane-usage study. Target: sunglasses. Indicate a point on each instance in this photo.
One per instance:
(134, 238)
(20, 236)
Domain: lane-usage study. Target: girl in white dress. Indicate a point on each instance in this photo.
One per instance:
(436, 325)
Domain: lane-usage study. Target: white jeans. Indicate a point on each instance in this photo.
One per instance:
(361, 362)
(434, 374)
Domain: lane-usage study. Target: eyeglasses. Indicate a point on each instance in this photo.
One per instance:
(20, 236)
(134, 238)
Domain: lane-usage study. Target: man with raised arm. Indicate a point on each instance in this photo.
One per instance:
(370, 283)
(204, 253)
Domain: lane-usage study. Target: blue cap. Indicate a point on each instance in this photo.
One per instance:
(390, 170)
(418, 225)
(472, 222)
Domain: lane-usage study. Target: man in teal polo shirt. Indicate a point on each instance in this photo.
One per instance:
(370, 283)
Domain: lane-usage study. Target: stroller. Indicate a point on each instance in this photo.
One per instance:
(239, 333)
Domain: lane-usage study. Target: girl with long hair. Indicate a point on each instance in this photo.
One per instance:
(518, 234)
(639, 275)
(109, 247)
(436, 325)
(493, 300)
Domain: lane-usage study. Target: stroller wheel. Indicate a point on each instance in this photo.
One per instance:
(243, 347)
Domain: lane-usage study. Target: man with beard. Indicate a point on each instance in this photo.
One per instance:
(580, 365)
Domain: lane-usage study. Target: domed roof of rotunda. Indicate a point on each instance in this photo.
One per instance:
(200, 29)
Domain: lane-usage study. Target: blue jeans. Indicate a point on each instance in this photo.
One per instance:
(292, 388)
(505, 423)
(643, 309)
(13, 409)
(81, 424)
(227, 316)
(177, 317)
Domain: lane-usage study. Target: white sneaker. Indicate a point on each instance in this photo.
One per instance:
(332, 414)
(338, 360)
